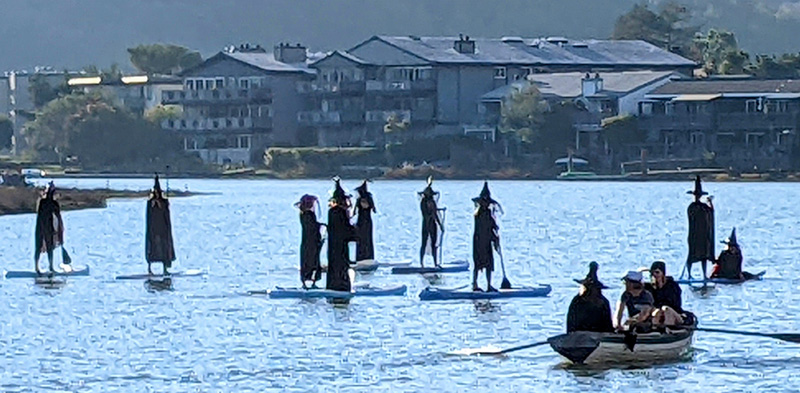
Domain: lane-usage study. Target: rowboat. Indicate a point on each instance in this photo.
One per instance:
(78, 271)
(593, 348)
(359, 290)
(453, 267)
(432, 293)
(757, 276)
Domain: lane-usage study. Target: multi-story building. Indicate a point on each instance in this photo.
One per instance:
(240, 101)
(139, 93)
(433, 85)
(740, 123)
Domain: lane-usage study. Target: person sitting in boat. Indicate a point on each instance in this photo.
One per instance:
(340, 233)
(484, 238)
(636, 300)
(729, 263)
(431, 224)
(590, 311)
(49, 232)
(701, 229)
(365, 206)
(158, 232)
(310, 242)
(666, 296)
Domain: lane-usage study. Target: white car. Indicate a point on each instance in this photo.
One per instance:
(33, 172)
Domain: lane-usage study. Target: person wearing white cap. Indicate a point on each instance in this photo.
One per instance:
(636, 300)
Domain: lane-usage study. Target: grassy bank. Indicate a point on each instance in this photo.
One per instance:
(21, 200)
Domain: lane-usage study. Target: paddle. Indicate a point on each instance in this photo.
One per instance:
(505, 284)
(494, 351)
(790, 337)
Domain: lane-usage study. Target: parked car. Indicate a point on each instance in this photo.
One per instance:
(33, 172)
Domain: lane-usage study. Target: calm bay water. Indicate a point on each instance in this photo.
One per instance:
(96, 334)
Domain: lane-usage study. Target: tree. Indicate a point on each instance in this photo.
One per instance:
(719, 53)
(111, 73)
(6, 132)
(163, 58)
(669, 29)
(163, 112)
(522, 113)
(42, 91)
(622, 130)
(785, 66)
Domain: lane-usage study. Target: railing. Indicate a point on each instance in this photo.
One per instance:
(745, 121)
(217, 95)
(417, 85)
(331, 87)
(381, 116)
(685, 121)
(217, 123)
(318, 117)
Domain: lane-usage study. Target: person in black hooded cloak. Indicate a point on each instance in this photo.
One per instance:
(590, 311)
(484, 238)
(340, 233)
(158, 232)
(729, 263)
(365, 206)
(310, 243)
(431, 224)
(49, 231)
(701, 230)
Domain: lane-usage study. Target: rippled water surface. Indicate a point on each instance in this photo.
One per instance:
(96, 334)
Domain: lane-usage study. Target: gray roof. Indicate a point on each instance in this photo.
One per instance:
(568, 84)
(538, 51)
(343, 54)
(267, 62)
(751, 86)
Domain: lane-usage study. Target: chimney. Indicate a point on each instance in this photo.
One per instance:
(288, 53)
(464, 45)
(248, 48)
(591, 85)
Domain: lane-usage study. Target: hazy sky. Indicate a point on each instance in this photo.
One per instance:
(74, 33)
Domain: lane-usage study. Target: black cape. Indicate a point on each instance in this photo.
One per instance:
(729, 265)
(483, 239)
(310, 246)
(365, 249)
(158, 233)
(701, 232)
(340, 232)
(589, 313)
(668, 295)
(430, 230)
(49, 225)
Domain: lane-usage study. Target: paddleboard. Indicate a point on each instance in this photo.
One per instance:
(453, 267)
(431, 293)
(80, 271)
(145, 276)
(757, 276)
(300, 293)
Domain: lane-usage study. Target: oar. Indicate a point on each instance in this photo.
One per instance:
(791, 337)
(505, 284)
(494, 351)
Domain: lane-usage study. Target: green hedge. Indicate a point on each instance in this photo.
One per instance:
(319, 161)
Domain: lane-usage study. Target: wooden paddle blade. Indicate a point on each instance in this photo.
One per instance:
(791, 337)
(505, 284)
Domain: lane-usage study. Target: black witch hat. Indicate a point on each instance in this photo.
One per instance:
(50, 190)
(485, 196)
(339, 195)
(591, 278)
(428, 191)
(157, 192)
(362, 189)
(698, 188)
(731, 240)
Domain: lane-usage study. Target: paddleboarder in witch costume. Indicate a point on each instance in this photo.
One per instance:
(310, 243)
(484, 238)
(158, 232)
(49, 231)
(431, 223)
(365, 206)
(340, 233)
(701, 229)
(729, 263)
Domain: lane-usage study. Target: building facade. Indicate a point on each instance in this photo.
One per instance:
(139, 93)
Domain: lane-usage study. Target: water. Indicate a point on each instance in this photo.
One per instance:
(96, 335)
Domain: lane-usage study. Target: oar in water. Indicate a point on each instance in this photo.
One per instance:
(494, 351)
(791, 337)
(505, 284)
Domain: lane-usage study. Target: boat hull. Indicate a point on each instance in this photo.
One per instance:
(611, 348)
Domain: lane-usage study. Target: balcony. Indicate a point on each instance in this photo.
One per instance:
(380, 116)
(222, 96)
(343, 87)
(318, 118)
(699, 121)
(217, 124)
(421, 85)
(752, 121)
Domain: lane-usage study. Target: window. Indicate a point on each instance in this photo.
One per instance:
(244, 141)
(697, 138)
(500, 73)
(527, 71)
(220, 82)
(255, 82)
(244, 83)
(189, 85)
(209, 84)
(754, 139)
(231, 81)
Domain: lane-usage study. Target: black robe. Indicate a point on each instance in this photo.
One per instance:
(668, 295)
(430, 226)
(365, 249)
(729, 265)
(49, 225)
(340, 232)
(310, 246)
(701, 232)
(158, 233)
(483, 239)
(589, 313)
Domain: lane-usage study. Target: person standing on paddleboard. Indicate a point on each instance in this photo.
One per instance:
(431, 223)
(158, 231)
(310, 243)
(340, 233)
(484, 238)
(365, 206)
(701, 230)
(49, 231)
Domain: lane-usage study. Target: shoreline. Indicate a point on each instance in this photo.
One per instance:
(23, 200)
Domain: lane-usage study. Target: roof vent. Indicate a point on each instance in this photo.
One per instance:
(414, 37)
(580, 45)
(557, 40)
(510, 39)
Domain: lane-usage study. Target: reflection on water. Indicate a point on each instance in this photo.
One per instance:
(95, 334)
